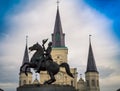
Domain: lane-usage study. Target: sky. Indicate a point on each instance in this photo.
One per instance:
(79, 18)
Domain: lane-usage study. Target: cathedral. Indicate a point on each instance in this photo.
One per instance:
(60, 55)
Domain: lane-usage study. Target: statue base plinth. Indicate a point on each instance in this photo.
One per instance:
(46, 88)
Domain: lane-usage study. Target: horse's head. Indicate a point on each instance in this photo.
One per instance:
(35, 47)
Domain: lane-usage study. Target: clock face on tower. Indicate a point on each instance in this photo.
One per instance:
(58, 57)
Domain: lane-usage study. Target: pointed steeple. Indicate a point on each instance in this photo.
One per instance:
(26, 57)
(91, 65)
(58, 35)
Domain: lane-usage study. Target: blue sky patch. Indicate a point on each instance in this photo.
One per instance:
(5, 7)
(8, 7)
(110, 8)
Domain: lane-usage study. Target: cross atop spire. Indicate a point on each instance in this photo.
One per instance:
(58, 3)
(26, 40)
(90, 38)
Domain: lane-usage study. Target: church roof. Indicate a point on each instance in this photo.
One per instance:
(58, 35)
(91, 65)
(81, 79)
(26, 59)
(36, 81)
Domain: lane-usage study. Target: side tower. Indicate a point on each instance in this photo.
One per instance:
(60, 55)
(23, 79)
(81, 84)
(91, 74)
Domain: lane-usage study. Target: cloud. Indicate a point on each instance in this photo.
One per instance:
(78, 21)
(110, 83)
(7, 70)
(105, 72)
(8, 86)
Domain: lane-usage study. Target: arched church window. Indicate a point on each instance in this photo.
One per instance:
(57, 36)
(71, 82)
(88, 83)
(97, 83)
(93, 82)
(29, 82)
(24, 82)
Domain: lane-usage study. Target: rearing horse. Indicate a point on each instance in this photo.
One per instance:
(46, 65)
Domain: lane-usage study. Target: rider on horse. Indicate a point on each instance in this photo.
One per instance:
(46, 55)
(42, 61)
(48, 52)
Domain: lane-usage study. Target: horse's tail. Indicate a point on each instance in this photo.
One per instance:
(67, 68)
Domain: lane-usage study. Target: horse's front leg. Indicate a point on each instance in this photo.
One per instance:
(51, 80)
(23, 66)
(26, 70)
(29, 65)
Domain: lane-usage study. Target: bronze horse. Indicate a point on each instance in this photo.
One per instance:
(50, 66)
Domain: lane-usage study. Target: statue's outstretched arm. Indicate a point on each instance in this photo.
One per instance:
(43, 45)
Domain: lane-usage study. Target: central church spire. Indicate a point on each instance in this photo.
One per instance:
(58, 35)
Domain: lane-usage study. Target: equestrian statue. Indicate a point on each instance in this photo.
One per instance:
(42, 61)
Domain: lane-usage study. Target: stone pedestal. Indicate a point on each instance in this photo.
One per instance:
(46, 88)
